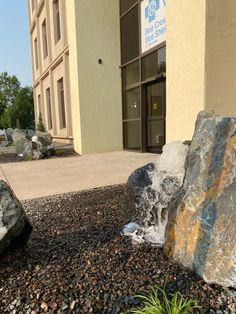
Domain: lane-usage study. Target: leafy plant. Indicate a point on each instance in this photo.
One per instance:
(60, 151)
(29, 158)
(40, 125)
(18, 125)
(158, 301)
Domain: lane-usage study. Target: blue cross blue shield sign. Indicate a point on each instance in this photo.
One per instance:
(153, 23)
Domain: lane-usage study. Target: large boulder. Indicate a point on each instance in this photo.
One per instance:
(148, 193)
(15, 227)
(22, 143)
(42, 145)
(8, 137)
(201, 230)
(32, 145)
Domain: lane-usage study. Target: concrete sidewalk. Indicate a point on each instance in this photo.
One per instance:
(34, 179)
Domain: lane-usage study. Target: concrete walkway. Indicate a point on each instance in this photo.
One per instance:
(34, 179)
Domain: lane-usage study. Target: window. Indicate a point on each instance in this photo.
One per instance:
(131, 75)
(39, 104)
(132, 135)
(149, 66)
(161, 60)
(57, 21)
(32, 5)
(49, 108)
(126, 4)
(130, 36)
(61, 100)
(45, 41)
(36, 53)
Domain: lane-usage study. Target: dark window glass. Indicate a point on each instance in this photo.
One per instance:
(149, 66)
(57, 21)
(132, 135)
(49, 108)
(132, 104)
(161, 60)
(32, 5)
(61, 100)
(155, 134)
(36, 54)
(130, 36)
(45, 40)
(131, 74)
(39, 104)
(155, 115)
(155, 100)
(125, 5)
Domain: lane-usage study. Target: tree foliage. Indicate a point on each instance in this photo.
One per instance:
(9, 88)
(16, 103)
(40, 125)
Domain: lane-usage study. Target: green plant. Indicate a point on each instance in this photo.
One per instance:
(29, 158)
(18, 125)
(60, 151)
(40, 125)
(158, 301)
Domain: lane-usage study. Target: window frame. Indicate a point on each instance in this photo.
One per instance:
(56, 20)
(45, 39)
(36, 55)
(49, 108)
(61, 102)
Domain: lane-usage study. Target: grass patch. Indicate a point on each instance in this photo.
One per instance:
(158, 301)
(60, 151)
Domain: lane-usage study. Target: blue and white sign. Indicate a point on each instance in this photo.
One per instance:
(153, 23)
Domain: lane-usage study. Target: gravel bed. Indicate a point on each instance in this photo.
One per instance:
(13, 157)
(77, 261)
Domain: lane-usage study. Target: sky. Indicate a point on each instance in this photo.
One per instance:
(15, 55)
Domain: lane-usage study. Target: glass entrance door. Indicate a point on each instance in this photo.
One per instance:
(155, 116)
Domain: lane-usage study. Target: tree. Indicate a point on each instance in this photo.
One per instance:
(22, 109)
(40, 125)
(16, 103)
(5, 119)
(9, 88)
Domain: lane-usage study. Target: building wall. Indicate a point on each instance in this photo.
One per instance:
(98, 37)
(185, 66)
(52, 67)
(220, 80)
(74, 75)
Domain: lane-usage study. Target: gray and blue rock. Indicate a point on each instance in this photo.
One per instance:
(15, 227)
(201, 229)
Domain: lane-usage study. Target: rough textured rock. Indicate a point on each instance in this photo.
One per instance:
(23, 145)
(201, 230)
(8, 137)
(42, 145)
(15, 227)
(149, 190)
(30, 133)
(37, 147)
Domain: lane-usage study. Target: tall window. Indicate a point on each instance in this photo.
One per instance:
(61, 99)
(36, 53)
(32, 5)
(39, 104)
(57, 21)
(45, 40)
(49, 108)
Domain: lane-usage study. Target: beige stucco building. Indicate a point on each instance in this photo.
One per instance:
(131, 74)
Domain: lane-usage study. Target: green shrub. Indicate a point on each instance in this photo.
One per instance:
(158, 301)
(18, 124)
(40, 125)
(60, 151)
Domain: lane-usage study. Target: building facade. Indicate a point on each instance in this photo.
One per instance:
(131, 74)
